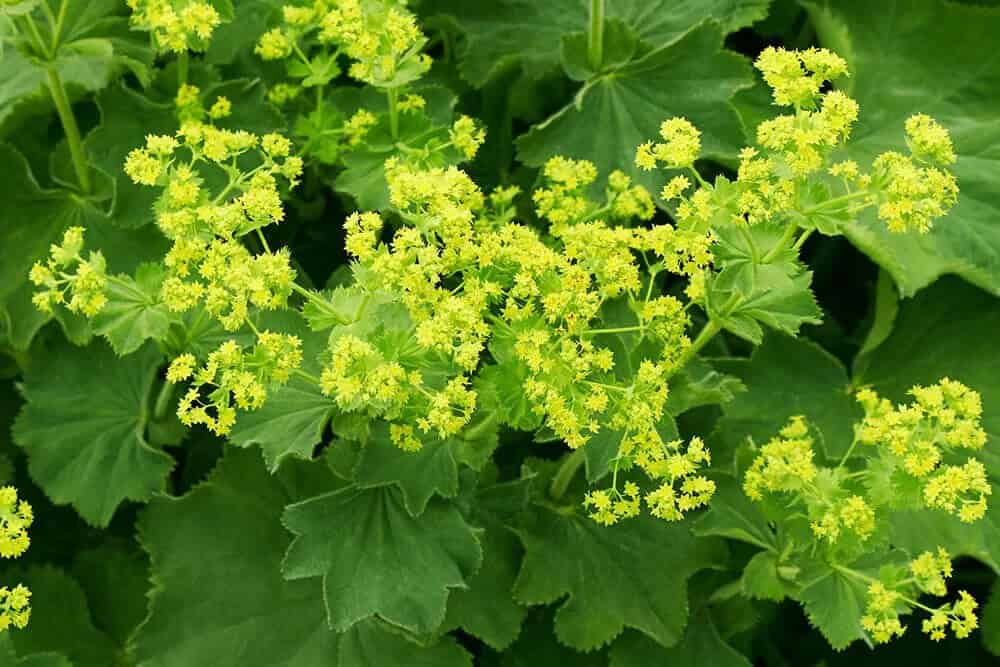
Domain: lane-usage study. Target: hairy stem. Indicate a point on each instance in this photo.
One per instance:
(595, 37)
(707, 334)
(183, 64)
(393, 95)
(567, 471)
(72, 130)
(163, 401)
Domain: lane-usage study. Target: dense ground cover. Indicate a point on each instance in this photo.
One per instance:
(373, 334)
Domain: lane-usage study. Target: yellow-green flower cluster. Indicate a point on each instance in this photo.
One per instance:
(16, 517)
(785, 465)
(563, 199)
(208, 264)
(797, 77)
(680, 147)
(382, 37)
(360, 378)
(465, 271)
(778, 180)
(911, 196)
(916, 438)
(232, 379)
(889, 599)
(69, 279)
(176, 25)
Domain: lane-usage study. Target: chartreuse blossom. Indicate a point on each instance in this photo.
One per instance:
(466, 273)
(896, 591)
(384, 45)
(16, 517)
(176, 25)
(70, 279)
(796, 174)
(847, 504)
(918, 438)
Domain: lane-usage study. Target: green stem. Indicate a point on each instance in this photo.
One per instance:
(183, 64)
(595, 37)
(567, 471)
(70, 127)
(707, 334)
(595, 332)
(802, 239)
(163, 401)
(393, 96)
(782, 244)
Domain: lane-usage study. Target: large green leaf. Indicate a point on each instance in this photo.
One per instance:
(486, 609)
(83, 427)
(530, 33)
(786, 377)
(376, 559)
(613, 113)
(221, 545)
(115, 577)
(700, 645)
(618, 576)
(938, 58)
(60, 623)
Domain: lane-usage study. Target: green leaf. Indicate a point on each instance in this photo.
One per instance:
(940, 60)
(373, 644)
(991, 622)
(700, 645)
(222, 545)
(699, 384)
(134, 313)
(9, 657)
(692, 76)
(749, 292)
(732, 515)
(786, 377)
(486, 609)
(95, 46)
(538, 646)
(433, 469)
(834, 603)
(115, 577)
(763, 577)
(504, 32)
(60, 622)
(293, 419)
(927, 530)
(617, 578)
(238, 37)
(396, 566)
(944, 332)
(83, 424)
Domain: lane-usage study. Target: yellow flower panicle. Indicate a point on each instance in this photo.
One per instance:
(69, 279)
(943, 419)
(794, 158)
(176, 25)
(888, 601)
(233, 379)
(16, 517)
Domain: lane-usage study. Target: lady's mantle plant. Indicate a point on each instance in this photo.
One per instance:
(506, 397)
